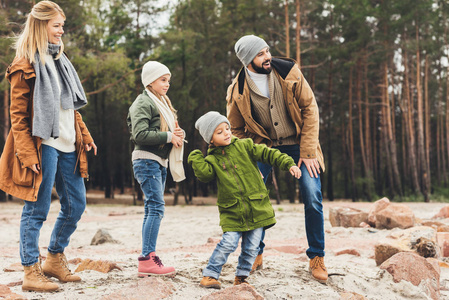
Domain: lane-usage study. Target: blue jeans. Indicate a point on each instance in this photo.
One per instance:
(56, 167)
(151, 177)
(229, 242)
(310, 188)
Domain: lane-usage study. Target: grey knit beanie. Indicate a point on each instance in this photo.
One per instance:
(247, 48)
(152, 70)
(207, 124)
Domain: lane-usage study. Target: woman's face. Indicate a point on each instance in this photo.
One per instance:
(161, 85)
(55, 29)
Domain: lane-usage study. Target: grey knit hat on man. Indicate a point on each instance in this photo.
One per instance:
(207, 124)
(152, 70)
(247, 48)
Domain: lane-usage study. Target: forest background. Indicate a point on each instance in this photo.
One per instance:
(378, 68)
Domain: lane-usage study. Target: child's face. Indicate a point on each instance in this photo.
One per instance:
(161, 85)
(222, 135)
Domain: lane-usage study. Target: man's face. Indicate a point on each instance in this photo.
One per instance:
(262, 62)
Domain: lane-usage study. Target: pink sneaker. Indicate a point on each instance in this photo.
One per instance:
(152, 265)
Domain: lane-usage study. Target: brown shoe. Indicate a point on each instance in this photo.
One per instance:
(56, 266)
(241, 280)
(35, 280)
(258, 263)
(317, 268)
(210, 283)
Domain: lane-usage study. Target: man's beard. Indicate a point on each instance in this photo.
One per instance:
(261, 70)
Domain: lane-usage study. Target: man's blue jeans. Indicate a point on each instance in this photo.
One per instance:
(310, 188)
(151, 177)
(229, 242)
(56, 167)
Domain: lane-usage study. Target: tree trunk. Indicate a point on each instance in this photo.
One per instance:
(366, 170)
(391, 141)
(351, 140)
(422, 163)
(427, 121)
(409, 128)
(287, 31)
(298, 33)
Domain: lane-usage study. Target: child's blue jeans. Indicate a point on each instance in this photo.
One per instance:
(227, 245)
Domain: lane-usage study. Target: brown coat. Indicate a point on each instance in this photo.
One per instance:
(21, 148)
(299, 101)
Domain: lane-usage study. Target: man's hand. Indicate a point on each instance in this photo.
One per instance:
(312, 166)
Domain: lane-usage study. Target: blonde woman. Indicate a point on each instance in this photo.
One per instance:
(46, 145)
(158, 141)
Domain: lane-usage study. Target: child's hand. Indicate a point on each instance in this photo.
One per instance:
(295, 171)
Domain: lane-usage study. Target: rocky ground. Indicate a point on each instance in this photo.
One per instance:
(187, 238)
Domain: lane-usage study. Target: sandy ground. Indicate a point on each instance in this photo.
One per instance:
(183, 243)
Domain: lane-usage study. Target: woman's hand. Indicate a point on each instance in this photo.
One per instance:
(178, 131)
(89, 146)
(35, 168)
(176, 141)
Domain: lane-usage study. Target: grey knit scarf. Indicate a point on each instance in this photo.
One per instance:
(48, 98)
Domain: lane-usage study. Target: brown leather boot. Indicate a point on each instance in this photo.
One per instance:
(258, 263)
(210, 283)
(35, 280)
(56, 266)
(241, 280)
(317, 268)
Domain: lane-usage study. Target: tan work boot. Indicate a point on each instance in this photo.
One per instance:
(241, 280)
(258, 263)
(56, 266)
(210, 283)
(35, 280)
(317, 268)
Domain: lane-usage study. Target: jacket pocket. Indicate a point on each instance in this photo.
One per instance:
(261, 207)
(21, 176)
(230, 213)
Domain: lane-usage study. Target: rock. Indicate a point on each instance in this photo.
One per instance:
(346, 216)
(415, 269)
(146, 288)
(443, 243)
(17, 267)
(237, 292)
(292, 249)
(103, 266)
(406, 241)
(377, 206)
(364, 225)
(443, 213)
(426, 248)
(5, 293)
(347, 251)
(395, 215)
(351, 296)
(443, 228)
(101, 237)
(75, 261)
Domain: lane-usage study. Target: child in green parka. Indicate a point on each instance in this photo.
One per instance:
(243, 202)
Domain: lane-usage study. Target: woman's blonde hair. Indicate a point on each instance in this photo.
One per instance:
(164, 126)
(34, 36)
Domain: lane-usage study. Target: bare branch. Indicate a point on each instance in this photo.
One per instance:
(113, 83)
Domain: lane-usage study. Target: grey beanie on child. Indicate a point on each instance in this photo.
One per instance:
(247, 48)
(207, 124)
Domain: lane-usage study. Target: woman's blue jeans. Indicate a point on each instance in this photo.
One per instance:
(229, 242)
(310, 188)
(151, 177)
(57, 168)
